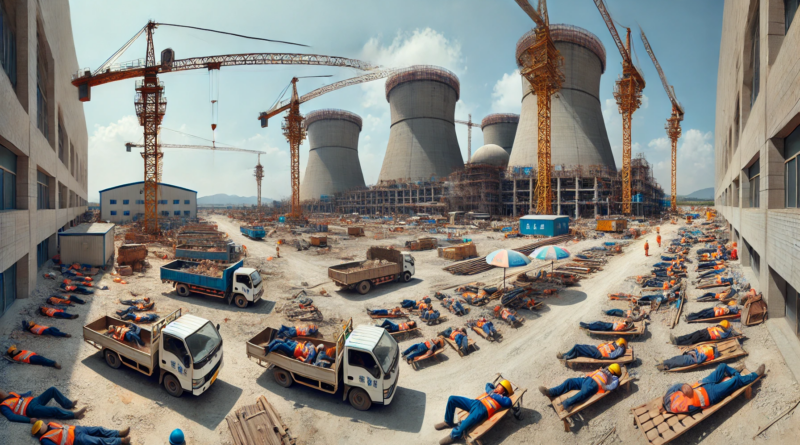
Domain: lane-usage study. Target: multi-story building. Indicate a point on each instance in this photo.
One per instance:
(124, 203)
(757, 146)
(43, 140)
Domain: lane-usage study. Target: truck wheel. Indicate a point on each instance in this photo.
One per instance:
(112, 359)
(360, 399)
(240, 301)
(182, 290)
(406, 276)
(282, 377)
(172, 385)
(364, 287)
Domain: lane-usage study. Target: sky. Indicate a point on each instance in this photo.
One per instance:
(475, 39)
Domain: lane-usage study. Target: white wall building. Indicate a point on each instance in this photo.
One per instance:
(123, 203)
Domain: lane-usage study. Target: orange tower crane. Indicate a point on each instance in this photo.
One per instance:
(151, 103)
(469, 125)
(294, 130)
(673, 126)
(541, 66)
(628, 93)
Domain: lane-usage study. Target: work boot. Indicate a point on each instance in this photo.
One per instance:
(57, 365)
(125, 431)
(125, 440)
(761, 370)
(68, 336)
(442, 426)
(672, 339)
(545, 392)
(559, 355)
(446, 441)
(661, 367)
(80, 413)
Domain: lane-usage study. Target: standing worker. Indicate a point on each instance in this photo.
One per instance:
(30, 357)
(658, 239)
(646, 248)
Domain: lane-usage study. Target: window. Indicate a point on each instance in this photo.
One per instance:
(186, 213)
(162, 202)
(43, 191)
(126, 212)
(164, 213)
(125, 202)
(755, 62)
(789, 9)
(140, 201)
(63, 145)
(364, 360)
(41, 87)
(176, 201)
(113, 201)
(8, 179)
(113, 213)
(243, 279)
(186, 201)
(177, 213)
(792, 306)
(8, 46)
(42, 253)
(176, 347)
(791, 151)
(753, 174)
(8, 288)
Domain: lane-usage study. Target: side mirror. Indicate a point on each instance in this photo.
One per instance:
(218, 327)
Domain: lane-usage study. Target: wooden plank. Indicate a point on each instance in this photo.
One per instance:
(727, 350)
(476, 433)
(563, 414)
(715, 319)
(639, 328)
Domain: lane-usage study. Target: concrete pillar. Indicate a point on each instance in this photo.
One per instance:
(595, 197)
(530, 195)
(775, 294)
(515, 197)
(558, 195)
(577, 196)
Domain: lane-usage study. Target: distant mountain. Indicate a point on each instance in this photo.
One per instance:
(223, 199)
(701, 195)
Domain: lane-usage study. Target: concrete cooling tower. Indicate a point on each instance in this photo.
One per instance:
(578, 132)
(500, 129)
(422, 139)
(333, 164)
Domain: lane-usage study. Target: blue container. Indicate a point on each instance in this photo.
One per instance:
(281, 219)
(547, 225)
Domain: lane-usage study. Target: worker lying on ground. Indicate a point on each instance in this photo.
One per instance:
(727, 294)
(429, 314)
(622, 296)
(34, 328)
(22, 356)
(684, 398)
(700, 354)
(130, 334)
(301, 350)
(56, 313)
(710, 273)
(603, 351)
(24, 408)
(325, 357)
(53, 433)
(411, 304)
(73, 288)
(454, 306)
(297, 331)
(597, 382)
(494, 399)
(458, 335)
(136, 306)
(476, 299)
(721, 331)
(506, 314)
(634, 314)
(139, 318)
(625, 325)
(392, 327)
(423, 350)
(393, 312)
(486, 326)
(56, 300)
(713, 312)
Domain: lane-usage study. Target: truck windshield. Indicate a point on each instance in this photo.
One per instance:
(385, 351)
(203, 342)
(256, 277)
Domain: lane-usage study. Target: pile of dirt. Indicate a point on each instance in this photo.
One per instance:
(369, 264)
(206, 268)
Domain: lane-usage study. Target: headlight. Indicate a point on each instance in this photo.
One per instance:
(196, 383)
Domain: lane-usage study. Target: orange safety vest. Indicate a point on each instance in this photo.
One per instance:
(300, 351)
(454, 334)
(646, 246)
(120, 335)
(707, 350)
(56, 300)
(658, 239)
(24, 356)
(679, 403)
(306, 330)
(50, 312)
(715, 332)
(720, 311)
(428, 343)
(504, 315)
(600, 378)
(665, 286)
(620, 326)
(423, 306)
(402, 327)
(607, 348)
(39, 330)
(17, 404)
(480, 323)
(59, 434)
(492, 406)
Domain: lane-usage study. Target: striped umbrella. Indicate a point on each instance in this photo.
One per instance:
(551, 253)
(506, 258)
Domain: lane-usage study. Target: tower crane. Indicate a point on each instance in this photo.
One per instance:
(151, 104)
(628, 93)
(295, 132)
(673, 126)
(469, 125)
(541, 66)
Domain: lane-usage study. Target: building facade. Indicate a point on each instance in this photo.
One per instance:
(124, 203)
(43, 140)
(757, 144)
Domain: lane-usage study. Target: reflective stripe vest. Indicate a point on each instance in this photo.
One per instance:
(504, 315)
(120, 335)
(56, 300)
(403, 327)
(39, 330)
(716, 332)
(306, 330)
(300, 351)
(492, 406)
(600, 378)
(620, 326)
(423, 306)
(607, 348)
(719, 311)
(708, 350)
(665, 286)
(454, 334)
(480, 323)
(59, 434)
(24, 356)
(17, 404)
(50, 311)
(679, 403)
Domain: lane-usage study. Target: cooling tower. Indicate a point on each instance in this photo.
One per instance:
(490, 154)
(333, 155)
(500, 129)
(578, 132)
(422, 139)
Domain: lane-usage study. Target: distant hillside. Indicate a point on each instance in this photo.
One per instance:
(223, 199)
(701, 195)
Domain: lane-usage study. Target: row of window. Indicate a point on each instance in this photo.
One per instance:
(141, 201)
(163, 213)
(8, 288)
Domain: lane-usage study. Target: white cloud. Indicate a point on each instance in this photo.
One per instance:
(660, 144)
(645, 102)
(695, 169)
(507, 94)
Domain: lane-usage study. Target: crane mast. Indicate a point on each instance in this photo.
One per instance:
(469, 125)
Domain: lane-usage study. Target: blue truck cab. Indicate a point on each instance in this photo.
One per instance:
(254, 232)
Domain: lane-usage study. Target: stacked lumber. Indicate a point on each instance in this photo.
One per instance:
(478, 265)
(459, 252)
(258, 424)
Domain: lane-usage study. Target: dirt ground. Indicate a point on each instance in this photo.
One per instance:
(526, 356)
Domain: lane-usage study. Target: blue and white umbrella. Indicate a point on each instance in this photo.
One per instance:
(551, 253)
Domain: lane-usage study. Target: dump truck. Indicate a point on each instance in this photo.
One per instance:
(240, 285)
(229, 252)
(253, 232)
(381, 266)
(366, 363)
(185, 350)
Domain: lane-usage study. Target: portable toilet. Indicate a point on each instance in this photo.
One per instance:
(547, 225)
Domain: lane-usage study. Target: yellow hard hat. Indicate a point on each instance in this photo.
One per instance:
(12, 349)
(615, 369)
(507, 385)
(725, 324)
(622, 342)
(37, 426)
(732, 303)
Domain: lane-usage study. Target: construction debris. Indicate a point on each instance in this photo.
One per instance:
(258, 424)
(207, 268)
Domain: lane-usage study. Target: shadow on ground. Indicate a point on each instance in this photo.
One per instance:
(263, 306)
(377, 291)
(567, 297)
(510, 425)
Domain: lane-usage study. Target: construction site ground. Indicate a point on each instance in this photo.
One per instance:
(527, 356)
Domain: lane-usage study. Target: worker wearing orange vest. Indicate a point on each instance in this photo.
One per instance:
(397, 327)
(24, 408)
(700, 354)
(619, 326)
(56, 300)
(721, 331)
(424, 349)
(297, 331)
(635, 314)
(603, 351)
(53, 433)
(496, 398)
(486, 326)
(396, 312)
(30, 357)
(459, 336)
(685, 398)
(646, 248)
(34, 328)
(505, 314)
(597, 382)
(325, 357)
(301, 350)
(411, 304)
(658, 240)
(56, 313)
(714, 312)
(130, 333)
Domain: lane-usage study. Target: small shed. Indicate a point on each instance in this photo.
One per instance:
(90, 243)
(547, 225)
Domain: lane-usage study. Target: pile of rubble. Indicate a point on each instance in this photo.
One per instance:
(206, 268)
(369, 264)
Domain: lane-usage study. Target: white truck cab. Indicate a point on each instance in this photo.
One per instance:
(408, 264)
(247, 283)
(190, 354)
(371, 357)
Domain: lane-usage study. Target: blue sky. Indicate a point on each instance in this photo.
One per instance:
(473, 38)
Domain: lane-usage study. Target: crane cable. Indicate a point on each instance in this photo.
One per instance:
(232, 34)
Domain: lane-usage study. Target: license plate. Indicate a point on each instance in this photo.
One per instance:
(214, 378)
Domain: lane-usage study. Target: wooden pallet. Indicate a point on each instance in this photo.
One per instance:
(660, 427)
(258, 424)
(715, 319)
(407, 333)
(638, 329)
(726, 350)
(416, 361)
(470, 345)
(474, 435)
(627, 357)
(483, 335)
(624, 381)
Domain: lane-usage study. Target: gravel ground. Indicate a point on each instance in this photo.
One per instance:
(526, 356)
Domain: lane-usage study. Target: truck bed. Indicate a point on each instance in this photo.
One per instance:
(132, 355)
(176, 272)
(339, 272)
(201, 253)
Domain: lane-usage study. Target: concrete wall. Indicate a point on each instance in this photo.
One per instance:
(333, 164)
(501, 134)
(747, 132)
(135, 192)
(578, 132)
(22, 229)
